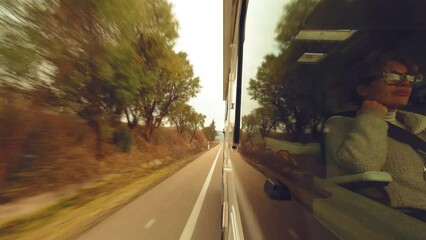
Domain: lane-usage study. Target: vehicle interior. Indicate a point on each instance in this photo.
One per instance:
(303, 81)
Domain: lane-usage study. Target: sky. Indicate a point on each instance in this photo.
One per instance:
(262, 19)
(201, 37)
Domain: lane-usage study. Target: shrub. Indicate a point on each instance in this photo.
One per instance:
(123, 140)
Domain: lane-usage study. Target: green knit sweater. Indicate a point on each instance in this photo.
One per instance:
(360, 144)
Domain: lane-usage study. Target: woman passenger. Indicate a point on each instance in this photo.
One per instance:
(359, 144)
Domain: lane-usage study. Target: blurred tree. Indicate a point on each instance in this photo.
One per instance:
(296, 93)
(180, 115)
(17, 54)
(269, 90)
(290, 93)
(197, 121)
(210, 131)
(174, 83)
(267, 121)
(293, 20)
(249, 123)
(261, 118)
(154, 45)
(89, 52)
(185, 118)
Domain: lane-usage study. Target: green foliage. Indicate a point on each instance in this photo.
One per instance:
(102, 58)
(175, 84)
(210, 131)
(293, 19)
(123, 140)
(261, 118)
(185, 118)
(293, 92)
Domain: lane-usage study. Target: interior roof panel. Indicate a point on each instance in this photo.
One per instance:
(368, 14)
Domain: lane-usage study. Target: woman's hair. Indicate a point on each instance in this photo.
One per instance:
(368, 69)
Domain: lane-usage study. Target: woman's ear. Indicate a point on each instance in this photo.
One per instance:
(362, 90)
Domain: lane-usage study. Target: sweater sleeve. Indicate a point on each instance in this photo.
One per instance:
(358, 145)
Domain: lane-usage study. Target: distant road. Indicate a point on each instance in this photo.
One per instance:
(187, 204)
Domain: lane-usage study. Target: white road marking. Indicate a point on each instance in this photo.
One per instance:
(234, 224)
(225, 215)
(150, 223)
(192, 220)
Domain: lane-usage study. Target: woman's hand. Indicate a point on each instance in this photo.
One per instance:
(373, 105)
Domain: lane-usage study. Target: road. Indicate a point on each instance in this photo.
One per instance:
(263, 218)
(187, 205)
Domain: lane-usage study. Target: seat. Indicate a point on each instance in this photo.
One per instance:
(369, 184)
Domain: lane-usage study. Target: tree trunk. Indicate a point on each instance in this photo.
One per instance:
(192, 137)
(131, 123)
(94, 119)
(149, 130)
(96, 125)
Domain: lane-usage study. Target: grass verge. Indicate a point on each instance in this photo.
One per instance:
(71, 216)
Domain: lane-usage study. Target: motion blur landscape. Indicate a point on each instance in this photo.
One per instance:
(93, 96)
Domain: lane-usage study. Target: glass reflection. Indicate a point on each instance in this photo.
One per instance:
(306, 75)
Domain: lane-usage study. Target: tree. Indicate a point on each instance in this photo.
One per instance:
(185, 118)
(174, 84)
(292, 20)
(181, 115)
(249, 123)
(267, 121)
(210, 131)
(197, 121)
(269, 89)
(261, 118)
(89, 52)
(292, 91)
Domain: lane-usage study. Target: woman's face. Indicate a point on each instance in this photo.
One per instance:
(391, 96)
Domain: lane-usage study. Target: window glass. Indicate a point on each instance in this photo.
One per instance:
(306, 61)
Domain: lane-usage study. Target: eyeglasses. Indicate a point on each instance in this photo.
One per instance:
(394, 78)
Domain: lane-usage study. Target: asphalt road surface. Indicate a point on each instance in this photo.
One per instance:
(185, 206)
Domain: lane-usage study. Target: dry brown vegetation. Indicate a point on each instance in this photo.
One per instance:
(42, 151)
